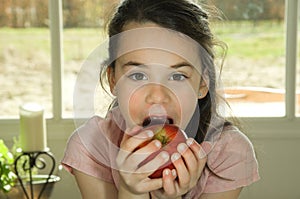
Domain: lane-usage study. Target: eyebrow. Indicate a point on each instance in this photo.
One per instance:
(133, 63)
(181, 64)
(175, 66)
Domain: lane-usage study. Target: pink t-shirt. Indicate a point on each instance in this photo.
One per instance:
(93, 147)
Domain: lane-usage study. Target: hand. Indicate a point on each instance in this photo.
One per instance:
(189, 167)
(133, 177)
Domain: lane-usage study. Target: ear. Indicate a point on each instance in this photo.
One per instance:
(204, 87)
(111, 79)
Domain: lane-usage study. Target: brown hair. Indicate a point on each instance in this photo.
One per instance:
(181, 16)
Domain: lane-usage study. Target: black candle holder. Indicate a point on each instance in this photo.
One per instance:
(33, 160)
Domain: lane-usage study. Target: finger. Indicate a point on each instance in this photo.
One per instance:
(149, 148)
(135, 137)
(129, 144)
(151, 184)
(154, 164)
(169, 182)
(189, 157)
(137, 157)
(199, 152)
(182, 171)
(174, 174)
(129, 132)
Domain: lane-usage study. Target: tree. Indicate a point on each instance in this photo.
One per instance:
(5, 12)
(253, 11)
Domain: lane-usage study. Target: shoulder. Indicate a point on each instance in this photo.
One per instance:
(86, 140)
(231, 141)
(98, 129)
(232, 146)
(92, 147)
(233, 136)
(100, 135)
(233, 158)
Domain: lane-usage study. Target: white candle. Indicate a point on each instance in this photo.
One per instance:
(32, 128)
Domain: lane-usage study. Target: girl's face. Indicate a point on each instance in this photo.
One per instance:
(155, 85)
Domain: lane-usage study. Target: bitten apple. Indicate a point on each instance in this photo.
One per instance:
(170, 136)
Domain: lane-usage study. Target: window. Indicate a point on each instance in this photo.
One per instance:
(82, 36)
(254, 69)
(267, 46)
(24, 60)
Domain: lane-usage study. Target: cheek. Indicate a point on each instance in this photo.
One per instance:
(136, 104)
(130, 103)
(187, 100)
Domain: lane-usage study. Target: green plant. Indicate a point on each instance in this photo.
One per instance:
(9, 184)
(7, 176)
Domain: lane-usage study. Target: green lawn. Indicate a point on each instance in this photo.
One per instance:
(25, 43)
(266, 39)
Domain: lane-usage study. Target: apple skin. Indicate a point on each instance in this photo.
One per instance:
(170, 136)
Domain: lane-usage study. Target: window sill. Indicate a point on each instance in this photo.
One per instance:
(257, 128)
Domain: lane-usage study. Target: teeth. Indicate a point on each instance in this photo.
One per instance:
(157, 120)
(157, 114)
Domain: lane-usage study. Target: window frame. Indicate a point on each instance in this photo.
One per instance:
(260, 127)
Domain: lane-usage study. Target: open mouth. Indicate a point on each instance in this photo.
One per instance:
(154, 120)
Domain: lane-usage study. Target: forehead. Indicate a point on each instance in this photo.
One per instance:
(137, 37)
(152, 56)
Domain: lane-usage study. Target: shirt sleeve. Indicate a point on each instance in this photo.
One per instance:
(232, 163)
(77, 157)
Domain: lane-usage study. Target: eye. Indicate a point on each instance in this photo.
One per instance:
(178, 77)
(138, 76)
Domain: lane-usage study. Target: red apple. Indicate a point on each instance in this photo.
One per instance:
(169, 136)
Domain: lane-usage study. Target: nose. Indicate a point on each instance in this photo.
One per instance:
(157, 94)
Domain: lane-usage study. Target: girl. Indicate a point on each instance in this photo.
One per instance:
(161, 70)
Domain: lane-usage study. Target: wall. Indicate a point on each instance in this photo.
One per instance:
(279, 162)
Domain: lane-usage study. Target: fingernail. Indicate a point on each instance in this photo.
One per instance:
(181, 148)
(157, 143)
(149, 133)
(145, 134)
(166, 172)
(175, 157)
(189, 141)
(174, 172)
(164, 155)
